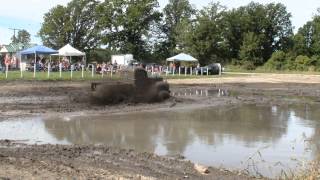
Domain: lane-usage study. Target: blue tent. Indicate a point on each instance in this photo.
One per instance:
(38, 50)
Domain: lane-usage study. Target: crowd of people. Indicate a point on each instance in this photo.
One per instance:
(43, 64)
(11, 62)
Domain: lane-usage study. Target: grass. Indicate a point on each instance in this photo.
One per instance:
(237, 69)
(77, 76)
(312, 171)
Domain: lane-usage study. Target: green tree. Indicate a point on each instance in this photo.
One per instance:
(23, 37)
(307, 40)
(270, 23)
(177, 15)
(75, 24)
(126, 25)
(251, 50)
(205, 40)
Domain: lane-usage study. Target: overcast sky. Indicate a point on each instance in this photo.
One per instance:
(28, 14)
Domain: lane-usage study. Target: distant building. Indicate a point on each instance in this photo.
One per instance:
(122, 59)
(10, 53)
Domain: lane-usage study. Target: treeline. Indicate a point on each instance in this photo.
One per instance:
(250, 36)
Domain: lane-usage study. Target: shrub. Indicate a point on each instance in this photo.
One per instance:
(277, 61)
(302, 63)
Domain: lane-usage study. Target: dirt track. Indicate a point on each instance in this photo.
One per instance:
(31, 98)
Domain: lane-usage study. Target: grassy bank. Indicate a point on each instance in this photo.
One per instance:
(312, 172)
(231, 69)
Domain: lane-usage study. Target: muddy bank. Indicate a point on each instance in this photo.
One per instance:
(19, 161)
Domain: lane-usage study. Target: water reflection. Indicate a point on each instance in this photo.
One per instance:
(201, 92)
(212, 136)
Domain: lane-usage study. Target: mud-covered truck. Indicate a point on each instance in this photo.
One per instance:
(140, 89)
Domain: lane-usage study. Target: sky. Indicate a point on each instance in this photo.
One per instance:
(28, 14)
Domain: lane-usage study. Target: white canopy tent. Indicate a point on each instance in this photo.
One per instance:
(68, 50)
(182, 57)
(4, 50)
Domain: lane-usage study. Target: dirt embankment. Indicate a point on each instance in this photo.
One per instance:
(47, 161)
(95, 162)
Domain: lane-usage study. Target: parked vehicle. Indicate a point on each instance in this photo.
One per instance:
(213, 69)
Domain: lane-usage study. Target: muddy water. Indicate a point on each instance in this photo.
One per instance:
(262, 139)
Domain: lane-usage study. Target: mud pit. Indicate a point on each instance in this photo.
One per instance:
(23, 99)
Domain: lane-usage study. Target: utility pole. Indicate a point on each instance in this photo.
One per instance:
(14, 33)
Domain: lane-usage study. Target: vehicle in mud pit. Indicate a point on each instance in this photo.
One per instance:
(139, 89)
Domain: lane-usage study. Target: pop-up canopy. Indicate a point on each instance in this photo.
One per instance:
(68, 50)
(38, 50)
(182, 57)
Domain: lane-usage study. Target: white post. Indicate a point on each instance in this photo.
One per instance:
(21, 75)
(201, 71)
(152, 70)
(220, 69)
(179, 70)
(111, 72)
(167, 71)
(92, 71)
(7, 69)
(49, 67)
(82, 71)
(35, 64)
(71, 75)
(207, 71)
(60, 69)
(190, 71)
(102, 72)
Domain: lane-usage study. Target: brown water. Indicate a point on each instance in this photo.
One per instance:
(270, 138)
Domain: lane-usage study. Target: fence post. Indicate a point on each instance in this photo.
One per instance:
(207, 71)
(201, 71)
(190, 71)
(60, 69)
(21, 75)
(49, 67)
(7, 69)
(92, 71)
(82, 69)
(71, 75)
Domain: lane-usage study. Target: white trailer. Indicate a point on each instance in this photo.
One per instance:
(122, 59)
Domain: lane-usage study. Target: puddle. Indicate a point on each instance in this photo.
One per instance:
(270, 138)
(202, 92)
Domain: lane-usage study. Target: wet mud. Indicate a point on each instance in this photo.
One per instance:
(21, 99)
